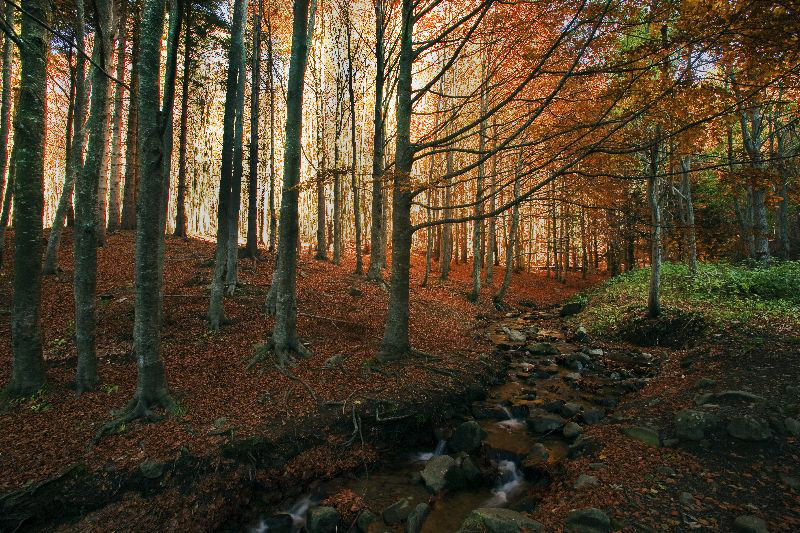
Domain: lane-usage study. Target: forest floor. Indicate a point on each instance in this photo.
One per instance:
(242, 428)
(341, 316)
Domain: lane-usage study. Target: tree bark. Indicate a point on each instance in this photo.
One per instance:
(132, 164)
(215, 310)
(686, 163)
(5, 121)
(273, 219)
(654, 294)
(238, 171)
(252, 184)
(353, 152)
(501, 293)
(477, 225)
(181, 222)
(377, 258)
(27, 363)
(114, 206)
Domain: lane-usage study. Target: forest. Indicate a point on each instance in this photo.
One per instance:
(400, 265)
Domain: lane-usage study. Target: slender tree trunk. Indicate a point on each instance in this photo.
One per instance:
(273, 219)
(132, 164)
(353, 152)
(477, 225)
(114, 205)
(447, 228)
(492, 240)
(5, 213)
(654, 294)
(252, 185)
(322, 165)
(181, 223)
(6, 187)
(377, 258)
(236, 185)
(285, 341)
(27, 363)
(337, 205)
(103, 176)
(74, 163)
(501, 293)
(215, 310)
(686, 163)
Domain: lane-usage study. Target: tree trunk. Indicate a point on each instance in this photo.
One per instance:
(215, 310)
(377, 258)
(181, 223)
(273, 219)
(116, 136)
(87, 218)
(236, 185)
(285, 341)
(103, 176)
(5, 213)
(252, 184)
(686, 163)
(5, 122)
(353, 152)
(447, 229)
(654, 294)
(501, 294)
(492, 240)
(477, 225)
(132, 164)
(27, 364)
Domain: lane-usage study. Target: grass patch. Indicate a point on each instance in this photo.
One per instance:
(723, 295)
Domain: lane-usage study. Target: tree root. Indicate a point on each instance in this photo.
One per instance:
(387, 356)
(137, 409)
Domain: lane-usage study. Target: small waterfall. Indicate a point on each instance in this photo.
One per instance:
(427, 456)
(299, 511)
(511, 422)
(510, 478)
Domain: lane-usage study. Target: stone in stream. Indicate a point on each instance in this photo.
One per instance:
(595, 352)
(365, 520)
(447, 473)
(693, 425)
(545, 423)
(467, 437)
(585, 481)
(727, 395)
(748, 427)
(705, 383)
(417, 518)
(543, 348)
(589, 520)
(580, 334)
(750, 524)
(397, 512)
(151, 470)
(572, 430)
(571, 308)
(642, 434)
(488, 410)
(476, 392)
(792, 426)
(593, 416)
(279, 523)
(514, 335)
(553, 406)
(322, 520)
(570, 409)
(498, 520)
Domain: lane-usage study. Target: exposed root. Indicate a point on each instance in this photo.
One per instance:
(499, 304)
(284, 356)
(137, 409)
(271, 305)
(394, 355)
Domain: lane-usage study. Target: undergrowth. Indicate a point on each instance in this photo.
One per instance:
(724, 294)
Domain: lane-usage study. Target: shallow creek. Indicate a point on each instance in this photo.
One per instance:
(550, 380)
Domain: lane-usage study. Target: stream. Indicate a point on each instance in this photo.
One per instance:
(556, 385)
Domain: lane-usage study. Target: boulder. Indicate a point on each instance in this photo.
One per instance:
(585, 481)
(444, 472)
(495, 520)
(595, 352)
(467, 437)
(570, 409)
(417, 518)
(366, 520)
(642, 434)
(589, 520)
(593, 416)
(693, 425)
(750, 428)
(545, 423)
(571, 308)
(488, 410)
(514, 335)
(322, 520)
(572, 430)
(279, 523)
(750, 524)
(792, 426)
(543, 348)
(151, 470)
(397, 512)
(580, 334)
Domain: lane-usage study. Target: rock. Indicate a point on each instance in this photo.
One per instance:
(397, 512)
(572, 430)
(570, 409)
(727, 395)
(580, 334)
(543, 348)
(667, 471)
(572, 308)
(572, 376)
(476, 392)
(151, 470)
(687, 499)
(279, 523)
(545, 423)
(595, 352)
(488, 410)
(514, 335)
(705, 383)
(417, 518)
(355, 292)
(585, 481)
(365, 520)
(467, 437)
(588, 520)
(553, 406)
(598, 466)
(642, 434)
(750, 524)
(748, 427)
(576, 448)
(439, 472)
(496, 520)
(334, 361)
(693, 425)
(539, 453)
(789, 481)
(593, 416)
(468, 473)
(322, 520)
(792, 426)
